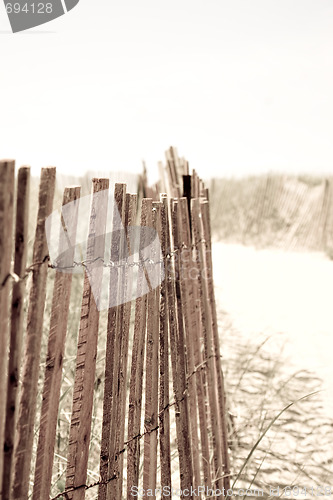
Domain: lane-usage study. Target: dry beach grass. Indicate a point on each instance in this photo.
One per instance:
(262, 381)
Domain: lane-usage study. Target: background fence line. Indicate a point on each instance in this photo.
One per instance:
(163, 383)
(290, 212)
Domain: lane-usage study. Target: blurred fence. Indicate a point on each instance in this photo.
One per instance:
(274, 210)
(162, 357)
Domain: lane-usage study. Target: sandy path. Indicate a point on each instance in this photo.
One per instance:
(272, 291)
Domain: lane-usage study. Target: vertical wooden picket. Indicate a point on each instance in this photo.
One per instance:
(108, 467)
(30, 371)
(197, 333)
(179, 363)
(80, 430)
(208, 339)
(135, 395)
(7, 170)
(130, 217)
(186, 298)
(195, 190)
(16, 326)
(196, 380)
(55, 353)
(114, 489)
(117, 285)
(206, 235)
(152, 363)
(164, 412)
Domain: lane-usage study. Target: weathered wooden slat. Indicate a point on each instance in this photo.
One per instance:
(110, 403)
(205, 193)
(173, 155)
(152, 363)
(201, 386)
(120, 377)
(135, 395)
(198, 334)
(16, 326)
(178, 362)
(7, 172)
(200, 375)
(164, 413)
(208, 339)
(186, 290)
(171, 178)
(162, 180)
(31, 358)
(190, 298)
(206, 234)
(195, 189)
(55, 352)
(118, 242)
(173, 172)
(80, 429)
(130, 219)
(195, 329)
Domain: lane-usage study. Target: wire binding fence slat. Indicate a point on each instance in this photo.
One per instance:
(136, 378)
(16, 324)
(7, 172)
(179, 363)
(130, 218)
(114, 330)
(152, 372)
(184, 241)
(164, 396)
(208, 339)
(31, 358)
(107, 442)
(79, 437)
(55, 354)
(222, 410)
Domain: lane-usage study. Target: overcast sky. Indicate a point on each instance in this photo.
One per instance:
(239, 86)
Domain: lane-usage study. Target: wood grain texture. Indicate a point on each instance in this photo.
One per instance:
(79, 437)
(55, 353)
(186, 288)
(152, 371)
(216, 344)
(16, 326)
(110, 403)
(178, 361)
(7, 172)
(137, 364)
(164, 396)
(31, 358)
(117, 285)
(208, 340)
(130, 218)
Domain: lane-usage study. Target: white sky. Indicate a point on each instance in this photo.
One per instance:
(239, 86)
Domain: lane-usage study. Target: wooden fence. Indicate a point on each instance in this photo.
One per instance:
(162, 356)
(289, 212)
